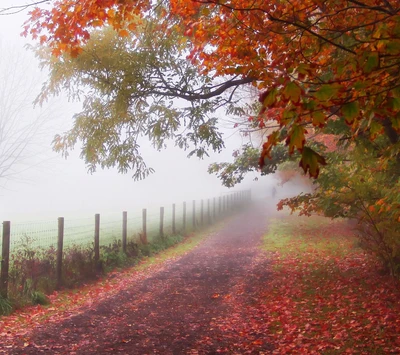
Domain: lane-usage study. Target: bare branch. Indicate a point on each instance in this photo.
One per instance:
(5, 11)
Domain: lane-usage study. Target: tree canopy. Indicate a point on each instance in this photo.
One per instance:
(311, 60)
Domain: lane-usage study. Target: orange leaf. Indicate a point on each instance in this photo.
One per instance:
(123, 33)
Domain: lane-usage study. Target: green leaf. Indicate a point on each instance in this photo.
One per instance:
(394, 104)
(318, 118)
(395, 92)
(270, 98)
(292, 92)
(310, 105)
(350, 111)
(393, 47)
(375, 128)
(296, 138)
(327, 91)
(372, 62)
(311, 161)
(395, 123)
(360, 85)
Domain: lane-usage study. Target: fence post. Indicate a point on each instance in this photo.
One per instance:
(208, 212)
(184, 217)
(124, 230)
(60, 245)
(5, 259)
(214, 210)
(162, 222)
(202, 213)
(96, 239)
(173, 219)
(144, 226)
(194, 214)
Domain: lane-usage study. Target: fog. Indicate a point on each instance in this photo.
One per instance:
(45, 185)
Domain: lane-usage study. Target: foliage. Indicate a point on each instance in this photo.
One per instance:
(361, 184)
(31, 269)
(78, 265)
(245, 161)
(32, 272)
(134, 87)
(308, 59)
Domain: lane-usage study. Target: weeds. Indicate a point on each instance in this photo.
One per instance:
(39, 298)
(5, 306)
(32, 272)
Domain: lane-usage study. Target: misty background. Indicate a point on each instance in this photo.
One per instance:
(44, 185)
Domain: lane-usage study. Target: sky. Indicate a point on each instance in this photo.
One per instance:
(51, 186)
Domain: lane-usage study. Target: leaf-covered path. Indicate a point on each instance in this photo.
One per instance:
(179, 308)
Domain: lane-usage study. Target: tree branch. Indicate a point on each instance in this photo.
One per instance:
(192, 96)
(19, 8)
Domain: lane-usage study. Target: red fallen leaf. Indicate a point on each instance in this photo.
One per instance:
(258, 342)
(215, 295)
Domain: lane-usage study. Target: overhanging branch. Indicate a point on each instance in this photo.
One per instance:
(192, 96)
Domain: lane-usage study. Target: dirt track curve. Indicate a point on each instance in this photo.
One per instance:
(190, 306)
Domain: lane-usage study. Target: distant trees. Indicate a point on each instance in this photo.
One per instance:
(21, 127)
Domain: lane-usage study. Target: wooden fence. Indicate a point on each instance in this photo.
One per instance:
(216, 207)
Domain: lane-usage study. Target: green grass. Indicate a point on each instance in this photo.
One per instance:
(299, 235)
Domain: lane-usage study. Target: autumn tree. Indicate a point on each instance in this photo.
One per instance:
(308, 59)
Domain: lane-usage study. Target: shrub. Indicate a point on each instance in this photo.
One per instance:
(78, 265)
(31, 269)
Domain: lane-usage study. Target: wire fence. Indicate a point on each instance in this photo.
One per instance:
(113, 229)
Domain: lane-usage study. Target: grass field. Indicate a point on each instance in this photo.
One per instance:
(80, 231)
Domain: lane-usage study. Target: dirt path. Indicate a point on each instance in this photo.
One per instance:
(189, 307)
